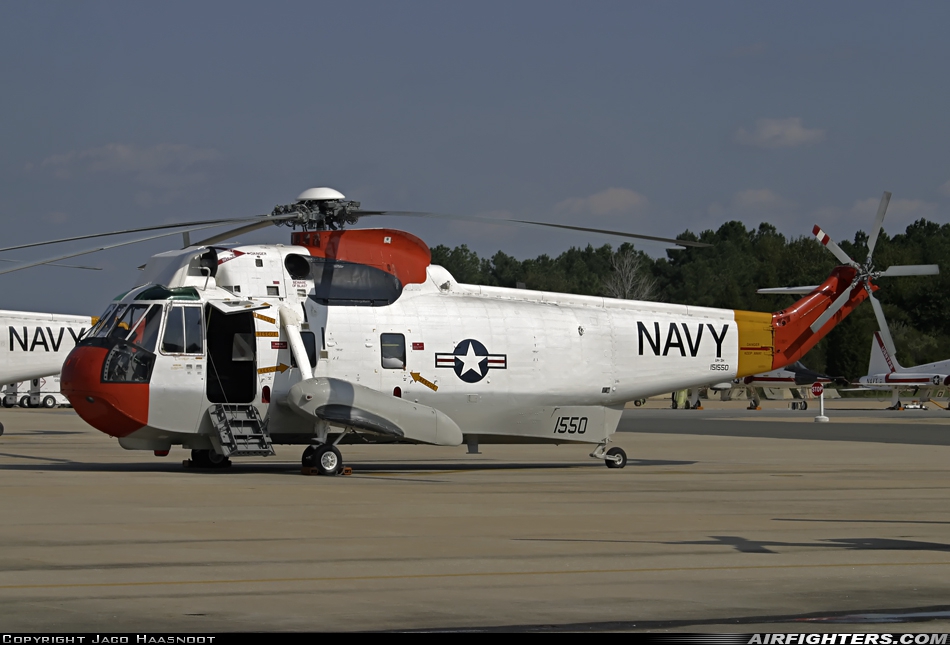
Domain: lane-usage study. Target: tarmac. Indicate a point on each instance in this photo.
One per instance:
(724, 520)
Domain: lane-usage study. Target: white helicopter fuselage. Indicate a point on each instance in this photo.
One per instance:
(503, 364)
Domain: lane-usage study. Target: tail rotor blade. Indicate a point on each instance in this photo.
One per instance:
(910, 269)
(829, 243)
(882, 323)
(878, 222)
(831, 311)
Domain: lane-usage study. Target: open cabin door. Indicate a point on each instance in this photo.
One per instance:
(232, 352)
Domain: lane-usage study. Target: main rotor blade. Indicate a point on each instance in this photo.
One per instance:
(882, 322)
(910, 269)
(65, 266)
(203, 224)
(220, 237)
(488, 220)
(830, 244)
(831, 311)
(878, 222)
(789, 290)
(20, 267)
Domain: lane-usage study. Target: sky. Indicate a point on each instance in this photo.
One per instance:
(648, 117)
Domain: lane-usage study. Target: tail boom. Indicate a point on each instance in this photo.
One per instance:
(772, 341)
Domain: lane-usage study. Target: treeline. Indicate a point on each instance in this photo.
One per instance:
(743, 260)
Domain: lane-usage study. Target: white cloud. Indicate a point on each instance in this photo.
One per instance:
(165, 169)
(779, 133)
(606, 202)
(753, 202)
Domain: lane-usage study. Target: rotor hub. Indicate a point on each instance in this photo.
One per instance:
(319, 209)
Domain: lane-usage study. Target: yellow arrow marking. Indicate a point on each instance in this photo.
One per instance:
(418, 379)
(267, 334)
(265, 318)
(277, 368)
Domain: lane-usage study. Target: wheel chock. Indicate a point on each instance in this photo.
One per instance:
(309, 470)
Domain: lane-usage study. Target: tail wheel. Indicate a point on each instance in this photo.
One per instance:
(616, 458)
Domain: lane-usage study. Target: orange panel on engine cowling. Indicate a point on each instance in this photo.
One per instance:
(117, 409)
(396, 252)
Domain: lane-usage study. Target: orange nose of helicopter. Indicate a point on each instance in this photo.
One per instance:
(117, 409)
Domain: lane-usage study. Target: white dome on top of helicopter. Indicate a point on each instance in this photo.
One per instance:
(319, 194)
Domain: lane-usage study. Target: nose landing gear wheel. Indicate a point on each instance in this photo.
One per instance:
(616, 458)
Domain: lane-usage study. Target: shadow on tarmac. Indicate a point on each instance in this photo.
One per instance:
(285, 468)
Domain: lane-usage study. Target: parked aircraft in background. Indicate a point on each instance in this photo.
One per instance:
(35, 345)
(885, 373)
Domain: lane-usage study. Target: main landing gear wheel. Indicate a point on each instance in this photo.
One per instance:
(209, 459)
(328, 460)
(616, 458)
(306, 460)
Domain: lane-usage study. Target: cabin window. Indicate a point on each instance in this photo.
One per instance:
(183, 331)
(393, 349)
(351, 284)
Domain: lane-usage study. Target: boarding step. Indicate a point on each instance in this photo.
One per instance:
(241, 431)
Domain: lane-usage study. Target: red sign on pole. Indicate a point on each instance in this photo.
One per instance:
(817, 389)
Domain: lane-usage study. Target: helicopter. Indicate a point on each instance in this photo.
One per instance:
(352, 335)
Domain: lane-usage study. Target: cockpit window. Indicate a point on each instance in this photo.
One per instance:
(127, 319)
(104, 320)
